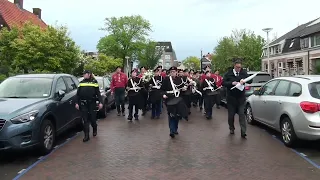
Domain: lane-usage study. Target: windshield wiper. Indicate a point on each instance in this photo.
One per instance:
(15, 97)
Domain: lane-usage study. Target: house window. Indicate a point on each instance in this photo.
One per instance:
(167, 57)
(292, 42)
(167, 64)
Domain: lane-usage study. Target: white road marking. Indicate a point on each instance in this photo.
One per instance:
(21, 171)
(40, 157)
(302, 154)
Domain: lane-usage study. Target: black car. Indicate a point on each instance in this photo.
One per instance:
(107, 97)
(256, 84)
(35, 108)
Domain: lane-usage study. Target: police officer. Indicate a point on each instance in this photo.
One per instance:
(87, 93)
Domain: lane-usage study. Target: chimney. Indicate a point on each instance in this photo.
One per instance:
(19, 3)
(37, 12)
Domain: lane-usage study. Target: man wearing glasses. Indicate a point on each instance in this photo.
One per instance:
(235, 97)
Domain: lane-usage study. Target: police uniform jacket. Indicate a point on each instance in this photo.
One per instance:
(88, 90)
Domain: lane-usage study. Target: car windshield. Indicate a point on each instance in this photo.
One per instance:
(314, 89)
(18, 87)
(261, 78)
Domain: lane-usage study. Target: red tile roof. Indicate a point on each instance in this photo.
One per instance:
(13, 15)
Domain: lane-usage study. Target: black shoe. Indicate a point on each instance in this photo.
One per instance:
(172, 135)
(244, 136)
(152, 117)
(129, 118)
(189, 112)
(186, 118)
(218, 107)
(86, 139)
(231, 131)
(95, 132)
(176, 133)
(123, 114)
(118, 114)
(157, 117)
(144, 113)
(209, 117)
(136, 117)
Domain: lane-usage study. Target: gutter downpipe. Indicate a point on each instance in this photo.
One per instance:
(308, 71)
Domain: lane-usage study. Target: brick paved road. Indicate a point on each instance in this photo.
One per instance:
(203, 151)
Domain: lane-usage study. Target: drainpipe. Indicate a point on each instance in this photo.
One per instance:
(308, 70)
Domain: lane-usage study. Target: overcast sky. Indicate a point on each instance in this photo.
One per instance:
(191, 25)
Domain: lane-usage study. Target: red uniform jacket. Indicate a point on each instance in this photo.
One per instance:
(163, 74)
(218, 80)
(119, 80)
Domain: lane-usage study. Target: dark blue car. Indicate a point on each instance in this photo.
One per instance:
(35, 108)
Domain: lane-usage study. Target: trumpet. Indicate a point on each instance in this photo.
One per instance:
(192, 82)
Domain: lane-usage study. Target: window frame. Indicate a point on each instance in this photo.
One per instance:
(56, 85)
(274, 93)
(66, 83)
(291, 82)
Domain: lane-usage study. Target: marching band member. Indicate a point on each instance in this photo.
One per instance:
(200, 98)
(144, 92)
(134, 86)
(175, 105)
(217, 98)
(187, 92)
(208, 87)
(155, 95)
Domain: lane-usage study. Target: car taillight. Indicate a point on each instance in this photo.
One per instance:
(310, 107)
(247, 88)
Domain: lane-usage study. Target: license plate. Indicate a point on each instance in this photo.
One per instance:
(256, 88)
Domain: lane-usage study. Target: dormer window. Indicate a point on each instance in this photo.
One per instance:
(292, 42)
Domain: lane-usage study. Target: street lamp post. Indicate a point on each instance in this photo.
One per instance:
(201, 61)
(267, 30)
(127, 65)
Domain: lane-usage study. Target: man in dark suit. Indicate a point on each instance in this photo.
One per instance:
(235, 97)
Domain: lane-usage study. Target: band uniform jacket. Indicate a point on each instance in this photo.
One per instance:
(135, 95)
(234, 95)
(205, 86)
(155, 94)
(175, 105)
(186, 83)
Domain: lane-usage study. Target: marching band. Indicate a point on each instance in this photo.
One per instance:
(177, 89)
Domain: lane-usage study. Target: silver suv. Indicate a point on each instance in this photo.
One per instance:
(290, 105)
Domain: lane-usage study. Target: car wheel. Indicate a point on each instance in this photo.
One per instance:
(47, 137)
(288, 134)
(249, 115)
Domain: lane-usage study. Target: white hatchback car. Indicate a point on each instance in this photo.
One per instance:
(290, 105)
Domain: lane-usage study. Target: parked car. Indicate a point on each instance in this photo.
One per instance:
(35, 108)
(290, 105)
(257, 82)
(107, 97)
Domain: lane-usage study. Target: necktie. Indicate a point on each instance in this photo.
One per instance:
(237, 73)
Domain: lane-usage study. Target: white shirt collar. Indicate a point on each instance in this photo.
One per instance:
(235, 72)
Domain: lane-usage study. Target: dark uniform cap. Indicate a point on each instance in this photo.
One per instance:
(173, 68)
(186, 70)
(207, 72)
(118, 67)
(87, 72)
(191, 70)
(159, 67)
(133, 70)
(142, 67)
(156, 70)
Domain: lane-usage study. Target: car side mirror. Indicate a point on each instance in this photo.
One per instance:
(61, 94)
(256, 92)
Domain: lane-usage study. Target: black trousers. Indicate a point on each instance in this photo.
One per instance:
(208, 104)
(217, 99)
(89, 115)
(136, 110)
(144, 94)
(119, 95)
(236, 106)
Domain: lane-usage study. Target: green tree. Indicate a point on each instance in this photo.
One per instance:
(192, 62)
(149, 54)
(124, 36)
(103, 64)
(242, 43)
(39, 50)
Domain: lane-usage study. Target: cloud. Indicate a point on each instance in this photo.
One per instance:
(190, 25)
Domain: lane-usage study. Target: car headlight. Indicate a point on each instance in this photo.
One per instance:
(23, 118)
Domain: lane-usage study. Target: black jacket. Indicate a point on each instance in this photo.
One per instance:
(88, 90)
(138, 82)
(230, 77)
(205, 85)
